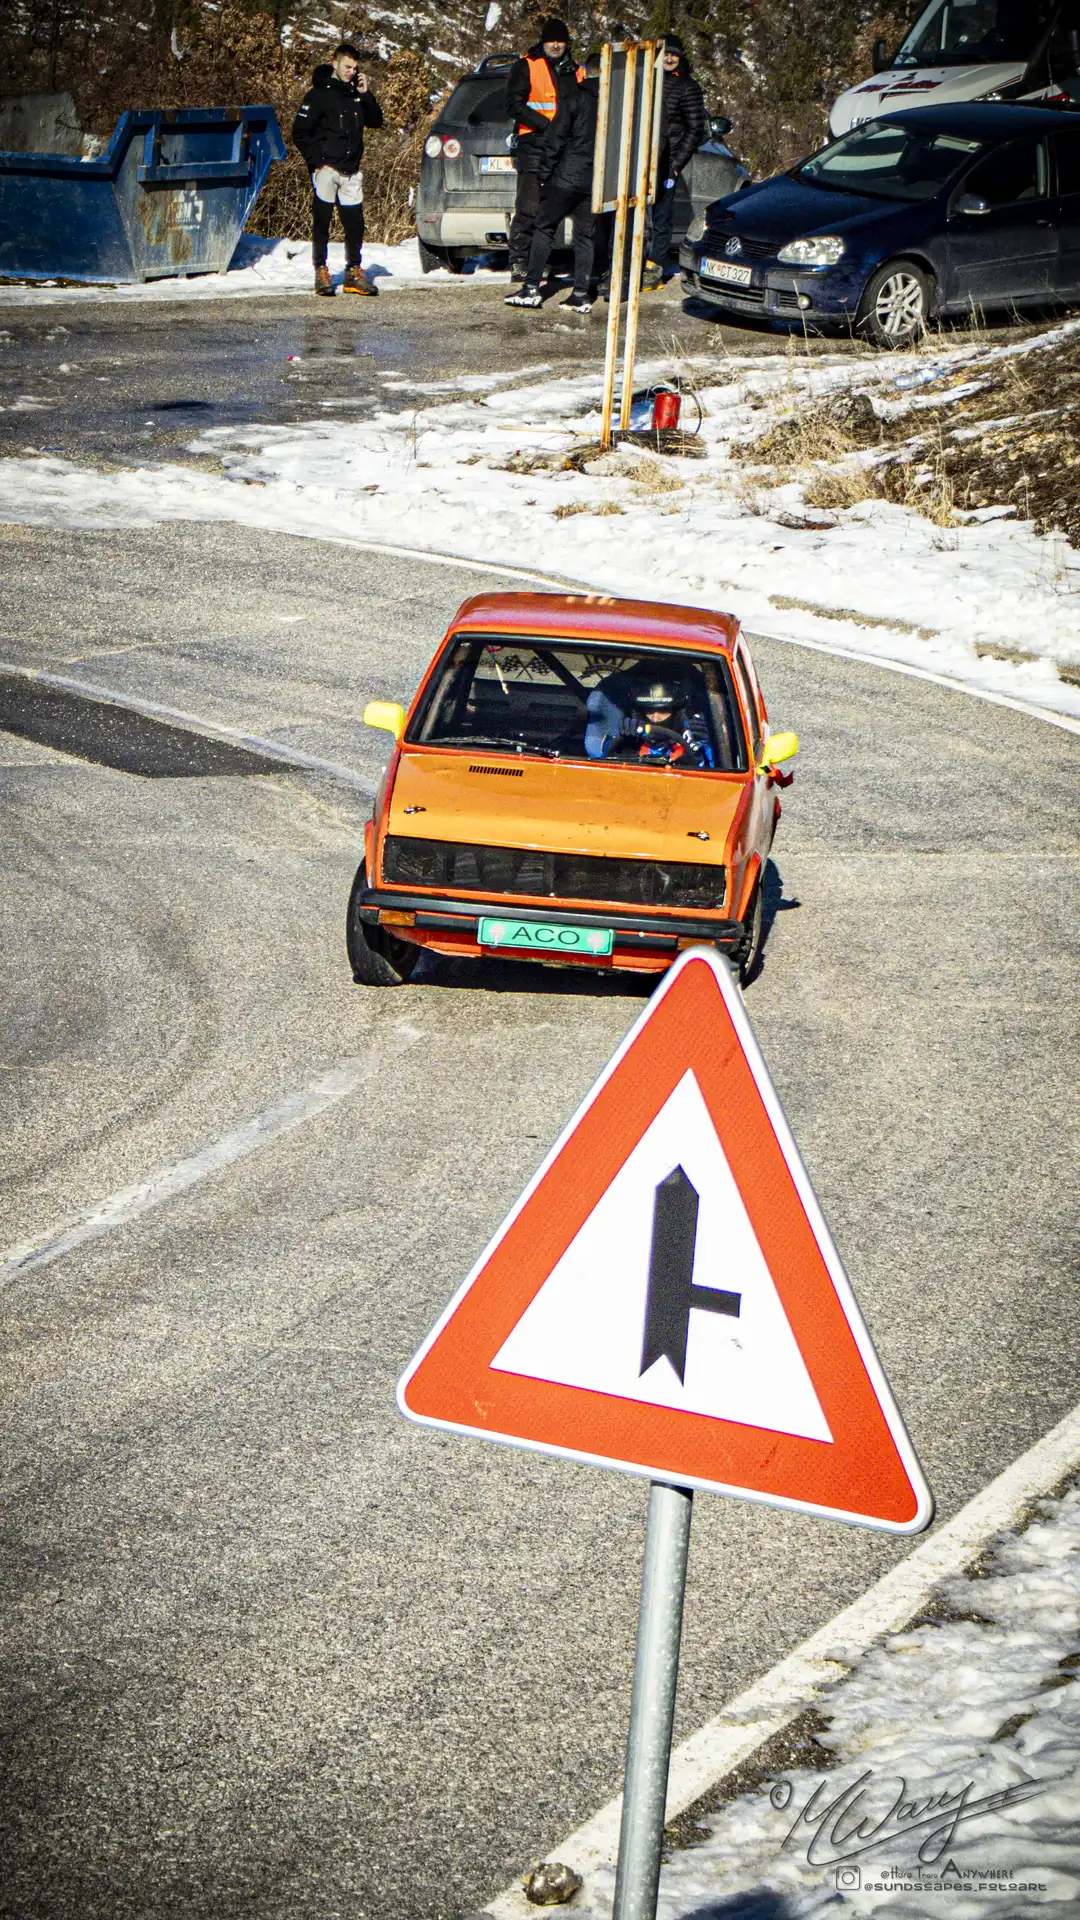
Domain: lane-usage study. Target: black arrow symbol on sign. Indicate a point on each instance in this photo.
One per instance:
(672, 1293)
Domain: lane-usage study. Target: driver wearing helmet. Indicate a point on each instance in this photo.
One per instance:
(650, 718)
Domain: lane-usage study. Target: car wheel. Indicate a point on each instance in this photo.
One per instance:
(745, 957)
(896, 306)
(431, 258)
(376, 957)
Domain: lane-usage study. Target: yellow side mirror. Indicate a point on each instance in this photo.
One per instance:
(387, 715)
(778, 746)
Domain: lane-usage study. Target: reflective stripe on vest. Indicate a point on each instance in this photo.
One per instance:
(543, 94)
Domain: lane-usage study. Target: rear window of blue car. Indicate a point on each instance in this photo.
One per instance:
(889, 163)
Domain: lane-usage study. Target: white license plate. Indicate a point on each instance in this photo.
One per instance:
(496, 163)
(724, 270)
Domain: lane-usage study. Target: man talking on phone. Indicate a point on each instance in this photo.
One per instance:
(329, 131)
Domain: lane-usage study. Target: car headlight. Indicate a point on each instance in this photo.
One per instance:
(696, 228)
(822, 251)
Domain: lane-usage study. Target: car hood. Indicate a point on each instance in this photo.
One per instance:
(564, 806)
(783, 209)
(902, 87)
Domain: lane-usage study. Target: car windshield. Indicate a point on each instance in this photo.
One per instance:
(476, 103)
(888, 162)
(969, 33)
(642, 706)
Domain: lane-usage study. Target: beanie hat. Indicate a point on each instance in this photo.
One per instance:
(554, 29)
(672, 43)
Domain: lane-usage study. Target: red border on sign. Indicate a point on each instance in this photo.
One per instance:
(860, 1474)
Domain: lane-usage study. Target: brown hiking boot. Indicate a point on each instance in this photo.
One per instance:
(323, 282)
(356, 281)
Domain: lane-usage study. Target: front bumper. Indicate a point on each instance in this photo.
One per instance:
(643, 941)
(830, 295)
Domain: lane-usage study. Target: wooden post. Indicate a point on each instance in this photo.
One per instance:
(618, 245)
(641, 202)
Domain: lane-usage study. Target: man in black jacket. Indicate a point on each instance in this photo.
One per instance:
(566, 193)
(329, 131)
(537, 85)
(683, 125)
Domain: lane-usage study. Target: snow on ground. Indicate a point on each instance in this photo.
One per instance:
(258, 267)
(476, 467)
(951, 1768)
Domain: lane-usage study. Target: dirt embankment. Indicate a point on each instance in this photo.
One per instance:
(991, 429)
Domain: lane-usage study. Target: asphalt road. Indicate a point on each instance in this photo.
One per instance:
(269, 1650)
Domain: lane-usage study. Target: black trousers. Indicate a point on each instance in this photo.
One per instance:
(555, 206)
(352, 221)
(526, 208)
(662, 224)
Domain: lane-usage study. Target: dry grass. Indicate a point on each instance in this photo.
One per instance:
(987, 650)
(651, 477)
(838, 487)
(927, 489)
(603, 508)
(811, 434)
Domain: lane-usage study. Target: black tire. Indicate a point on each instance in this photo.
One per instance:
(456, 257)
(745, 958)
(376, 957)
(431, 258)
(897, 304)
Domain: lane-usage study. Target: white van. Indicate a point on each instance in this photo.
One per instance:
(972, 50)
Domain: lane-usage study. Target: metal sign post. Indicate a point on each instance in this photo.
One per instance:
(624, 179)
(652, 1707)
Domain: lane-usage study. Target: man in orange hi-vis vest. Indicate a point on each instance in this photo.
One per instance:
(545, 78)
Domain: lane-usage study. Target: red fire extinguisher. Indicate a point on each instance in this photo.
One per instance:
(666, 409)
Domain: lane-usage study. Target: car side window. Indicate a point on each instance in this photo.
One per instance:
(747, 690)
(1067, 162)
(1010, 175)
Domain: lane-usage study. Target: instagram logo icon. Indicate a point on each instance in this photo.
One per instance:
(848, 1879)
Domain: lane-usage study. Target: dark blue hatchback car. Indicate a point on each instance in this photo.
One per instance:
(934, 211)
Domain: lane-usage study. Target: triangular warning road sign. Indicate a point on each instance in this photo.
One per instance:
(666, 1297)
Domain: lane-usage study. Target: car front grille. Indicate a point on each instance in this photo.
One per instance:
(455, 867)
(748, 249)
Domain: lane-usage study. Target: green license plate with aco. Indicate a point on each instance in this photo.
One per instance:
(544, 936)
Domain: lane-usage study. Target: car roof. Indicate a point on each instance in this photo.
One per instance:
(597, 616)
(981, 119)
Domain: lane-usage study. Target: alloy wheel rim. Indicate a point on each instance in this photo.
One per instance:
(899, 305)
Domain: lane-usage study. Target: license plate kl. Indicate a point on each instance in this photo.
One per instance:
(496, 163)
(544, 936)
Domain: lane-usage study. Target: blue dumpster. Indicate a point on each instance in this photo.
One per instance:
(170, 195)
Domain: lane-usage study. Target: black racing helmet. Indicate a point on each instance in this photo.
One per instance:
(657, 690)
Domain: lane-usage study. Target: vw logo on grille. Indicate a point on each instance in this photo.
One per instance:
(734, 245)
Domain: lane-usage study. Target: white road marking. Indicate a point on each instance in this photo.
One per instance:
(213, 729)
(799, 1681)
(119, 1208)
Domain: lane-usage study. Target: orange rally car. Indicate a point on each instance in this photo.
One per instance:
(580, 780)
